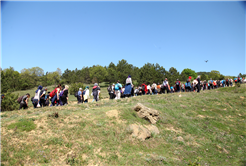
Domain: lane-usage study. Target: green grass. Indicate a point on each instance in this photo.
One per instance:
(211, 123)
(23, 125)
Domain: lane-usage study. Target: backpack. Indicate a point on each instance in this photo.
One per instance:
(143, 88)
(52, 94)
(109, 88)
(83, 93)
(20, 99)
(177, 83)
(61, 93)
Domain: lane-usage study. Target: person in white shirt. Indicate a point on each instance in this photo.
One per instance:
(165, 86)
(128, 87)
(87, 94)
(36, 98)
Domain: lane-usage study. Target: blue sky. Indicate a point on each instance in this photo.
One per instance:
(77, 34)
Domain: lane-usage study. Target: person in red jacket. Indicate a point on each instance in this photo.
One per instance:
(144, 88)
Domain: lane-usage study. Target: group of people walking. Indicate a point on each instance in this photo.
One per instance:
(59, 96)
(117, 91)
(42, 98)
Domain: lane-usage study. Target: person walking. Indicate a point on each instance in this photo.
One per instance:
(87, 94)
(198, 84)
(42, 97)
(165, 86)
(128, 87)
(177, 85)
(80, 95)
(117, 88)
(64, 96)
(24, 101)
(36, 98)
(95, 93)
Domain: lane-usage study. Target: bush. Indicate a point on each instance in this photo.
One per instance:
(238, 84)
(75, 87)
(9, 102)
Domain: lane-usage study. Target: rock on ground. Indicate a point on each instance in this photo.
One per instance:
(142, 132)
(147, 113)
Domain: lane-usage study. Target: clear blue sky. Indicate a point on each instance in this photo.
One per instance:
(77, 34)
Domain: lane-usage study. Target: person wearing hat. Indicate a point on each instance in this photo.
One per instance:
(178, 85)
(95, 90)
(80, 96)
(1, 99)
(117, 88)
(128, 87)
(87, 93)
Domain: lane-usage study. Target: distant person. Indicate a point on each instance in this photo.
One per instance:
(87, 94)
(154, 88)
(42, 97)
(198, 84)
(204, 85)
(144, 88)
(111, 91)
(166, 86)
(36, 98)
(177, 85)
(55, 95)
(128, 86)
(117, 88)
(95, 93)
(64, 96)
(24, 101)
(80, 96)
(188, 86)
(1, 99)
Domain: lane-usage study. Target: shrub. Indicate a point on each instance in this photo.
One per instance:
(23, 125)
(9, 102)
(75, 87)
(238, 84)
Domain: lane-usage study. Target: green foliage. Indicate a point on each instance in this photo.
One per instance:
(214, 74)
(23, 125)
(204, 77)
(98, 73)
(9, 102)
(188, 72)
(238, 84)
(75, 87)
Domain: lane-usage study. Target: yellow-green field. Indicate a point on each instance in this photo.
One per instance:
(211, 123)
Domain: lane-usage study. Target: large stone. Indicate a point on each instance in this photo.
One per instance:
(142, 132)
(150, 114)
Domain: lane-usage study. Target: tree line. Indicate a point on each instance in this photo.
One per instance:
(12, 80)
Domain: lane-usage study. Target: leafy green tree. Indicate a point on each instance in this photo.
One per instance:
(98, 72)
(188, 72)
(173, 75)
(214, 74)
(204, 77)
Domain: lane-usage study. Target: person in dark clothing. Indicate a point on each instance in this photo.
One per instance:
(95, 90)
(64, 96)
(177, 85)
(165, 86)
(80, 96)
(42, 97)
(1, 99)
(198, 84)
(24, 101)
(204, 84)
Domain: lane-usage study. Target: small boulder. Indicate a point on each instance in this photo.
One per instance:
(150, 114)
(142, 132)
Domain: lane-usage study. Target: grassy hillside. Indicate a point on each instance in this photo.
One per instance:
(211, 126)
